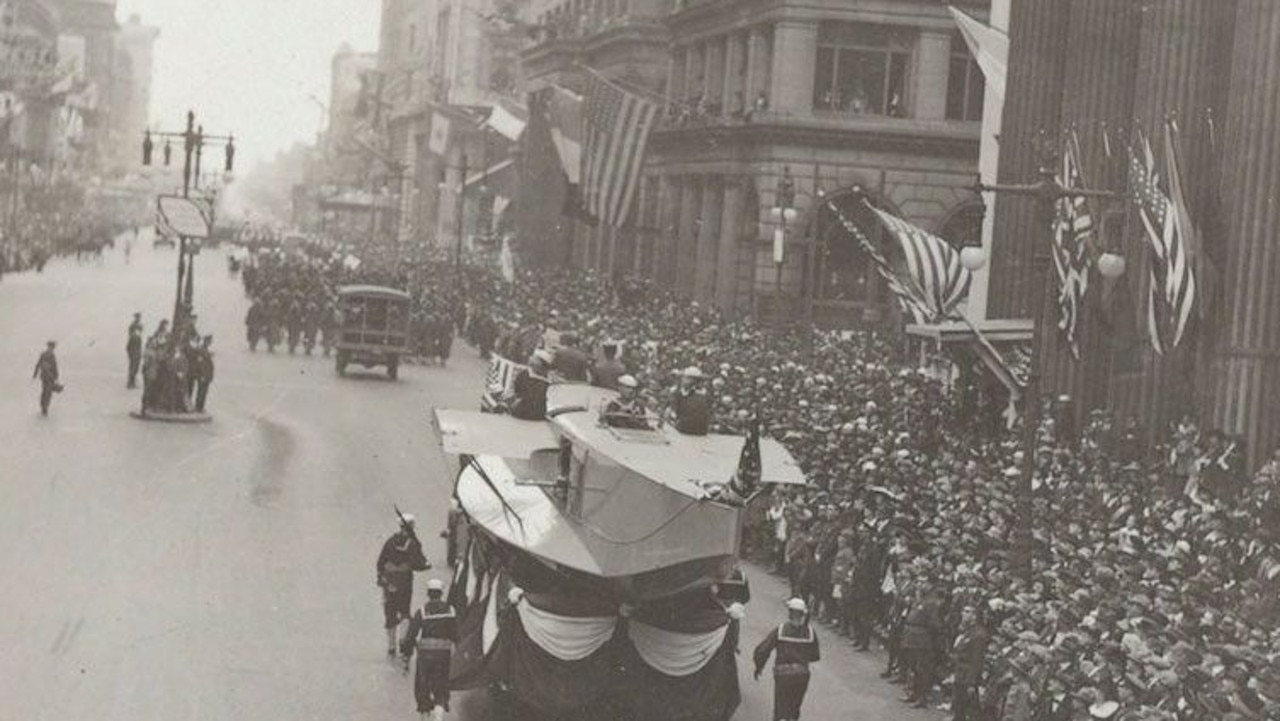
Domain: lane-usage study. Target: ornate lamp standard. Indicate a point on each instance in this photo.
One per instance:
(1047, 191)
(194, 140)
(783, 211)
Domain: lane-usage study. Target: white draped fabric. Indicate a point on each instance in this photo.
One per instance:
(675, 654)
(568, 638)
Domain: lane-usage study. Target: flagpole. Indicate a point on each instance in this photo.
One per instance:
(1046, 192)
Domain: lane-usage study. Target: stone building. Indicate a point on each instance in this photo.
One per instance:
(878, 94)
(1108, 70)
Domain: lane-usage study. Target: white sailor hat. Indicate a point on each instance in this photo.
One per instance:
(627, 381)
(407, 519)
(797, 604)
(435, 584)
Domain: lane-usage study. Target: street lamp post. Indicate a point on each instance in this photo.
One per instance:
(783, 210)
(193, 141)
(1047, 191)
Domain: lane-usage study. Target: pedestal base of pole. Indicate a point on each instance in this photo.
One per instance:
(169, 417)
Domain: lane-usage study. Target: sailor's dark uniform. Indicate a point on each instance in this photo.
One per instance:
(797, 647)
(432, 632)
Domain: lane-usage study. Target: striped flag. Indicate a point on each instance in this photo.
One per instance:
(933, 266)
(1171, 294)
(911, 303)
(616, 127)
(1073, 231)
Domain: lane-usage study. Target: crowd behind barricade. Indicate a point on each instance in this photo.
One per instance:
(1154, 592)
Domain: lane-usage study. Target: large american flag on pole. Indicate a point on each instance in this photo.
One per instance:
(1167, 226)
(929, 280)
(616, 127)
(933, 266)
(1073, 230)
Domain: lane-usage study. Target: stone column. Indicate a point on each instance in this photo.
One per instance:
(1183, 44)
(668, 231)
(733, 54)
(687, 236)
(676, 91)
(732, 219)
(1246, 397)
(713, 82)
(708, 239)
(933, 68)
(795, 51)
(693, 76)
(1098, 86)
(1037, 37)
(759, 61)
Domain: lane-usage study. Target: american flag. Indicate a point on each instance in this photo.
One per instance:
(1073, 230)
(616, 131)
(1168, 228)
(911, 301)
(933, 267)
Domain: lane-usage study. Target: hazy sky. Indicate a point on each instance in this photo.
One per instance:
(248, 66)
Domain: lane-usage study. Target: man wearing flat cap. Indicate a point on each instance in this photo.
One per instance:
(797, 646)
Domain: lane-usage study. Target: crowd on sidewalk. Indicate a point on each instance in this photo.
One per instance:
(1153, 593)
(57, 222)
(1154, 588)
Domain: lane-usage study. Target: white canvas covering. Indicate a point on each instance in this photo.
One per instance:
(672, 653)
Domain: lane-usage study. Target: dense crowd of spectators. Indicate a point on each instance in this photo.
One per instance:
(56, 221)
(1153, 593)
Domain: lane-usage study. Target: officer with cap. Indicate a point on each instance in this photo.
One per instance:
(797, 647)
(432, 632)
(401, 555)
(692, 404)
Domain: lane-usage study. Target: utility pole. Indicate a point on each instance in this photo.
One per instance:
(462, 209)
(1046, 191)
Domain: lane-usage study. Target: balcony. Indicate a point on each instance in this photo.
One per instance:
(690, 123)
(625, 39)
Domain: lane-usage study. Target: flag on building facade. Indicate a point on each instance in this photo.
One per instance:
(989, 47)
(1073, 232)
(905, 292)
(1171, 292)
(564, 115)
(616, 127)
(933, 267)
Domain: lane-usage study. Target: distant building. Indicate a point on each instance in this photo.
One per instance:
(135, 59)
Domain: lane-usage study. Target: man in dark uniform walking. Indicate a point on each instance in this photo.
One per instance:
(202, 371)
(797, 647)
(432, 632)
(133, 349)
(47, 371)
(401, 555)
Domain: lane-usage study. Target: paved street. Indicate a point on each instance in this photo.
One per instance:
(225, 571)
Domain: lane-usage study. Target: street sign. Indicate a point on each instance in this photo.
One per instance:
(184, 216)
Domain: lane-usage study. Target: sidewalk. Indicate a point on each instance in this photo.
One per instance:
(846, 684)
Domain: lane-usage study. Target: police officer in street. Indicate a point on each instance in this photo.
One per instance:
(401, 555)
(47, 371)
(133, 349)
(797, 646)
(202, 371)
(433, 630)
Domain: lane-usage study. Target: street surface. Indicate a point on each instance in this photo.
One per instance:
(224, 572)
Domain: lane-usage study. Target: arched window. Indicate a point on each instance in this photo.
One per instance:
(963, 226)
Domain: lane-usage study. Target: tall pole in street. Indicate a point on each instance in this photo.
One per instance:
(1047, 191)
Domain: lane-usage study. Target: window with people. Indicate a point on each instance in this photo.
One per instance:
(862, 69)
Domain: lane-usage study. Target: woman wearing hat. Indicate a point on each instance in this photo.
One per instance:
(797, 647)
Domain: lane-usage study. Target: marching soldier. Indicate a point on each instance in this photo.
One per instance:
(432, 632)
(401, 555)
(797, 647)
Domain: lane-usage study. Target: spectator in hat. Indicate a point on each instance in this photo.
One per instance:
(606, 371)
(692, 403)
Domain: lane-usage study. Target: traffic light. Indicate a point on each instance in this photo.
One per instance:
(146, 148)
(231, 153)
(168, 153)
